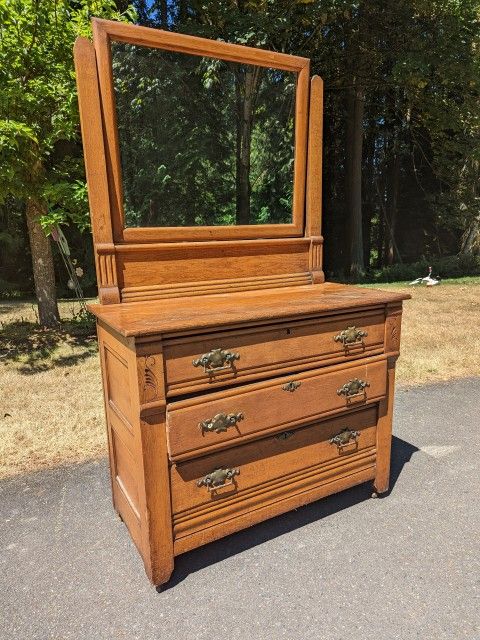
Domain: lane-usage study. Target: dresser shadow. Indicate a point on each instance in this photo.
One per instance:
(229, 546)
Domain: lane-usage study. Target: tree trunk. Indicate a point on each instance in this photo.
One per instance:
(42, 262)
(245, 85)
(470, 243)
(162, 8)
(355, 106)
(392, 207)
(380, 239)
(471, 239)
(369, 192)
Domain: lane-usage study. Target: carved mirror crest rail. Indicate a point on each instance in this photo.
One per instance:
(238, 384)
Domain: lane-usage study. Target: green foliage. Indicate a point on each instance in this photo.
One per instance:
(39, 125)
(417, 63)
(178, 119)
(444, 267)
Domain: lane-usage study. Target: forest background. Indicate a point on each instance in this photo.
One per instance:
(401, 129)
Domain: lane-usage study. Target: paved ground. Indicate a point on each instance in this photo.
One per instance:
(346, 568)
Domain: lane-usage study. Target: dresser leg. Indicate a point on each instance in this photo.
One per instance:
(384, 435)
(160, 574)
(157, 531)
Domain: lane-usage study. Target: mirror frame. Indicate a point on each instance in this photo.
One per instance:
(104, 31)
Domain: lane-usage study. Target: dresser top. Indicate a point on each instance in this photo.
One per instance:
(241, 307)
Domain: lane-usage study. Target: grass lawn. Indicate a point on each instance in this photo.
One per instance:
(51, 407)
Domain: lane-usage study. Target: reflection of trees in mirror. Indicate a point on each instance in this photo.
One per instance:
(203, 141)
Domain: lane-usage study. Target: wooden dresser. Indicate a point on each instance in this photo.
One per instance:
(238, 384)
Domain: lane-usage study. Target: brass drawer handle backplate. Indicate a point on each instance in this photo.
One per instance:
(291, 386)
(218, 479)
(355, 387)
(216, 360)
(346, 436)
(220, 422)
(285, 435)
(351, 335)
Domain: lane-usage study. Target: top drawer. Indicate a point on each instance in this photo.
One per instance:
(213, 360)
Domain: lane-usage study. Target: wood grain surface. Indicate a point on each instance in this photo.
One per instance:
(195, 313)
(272, 350)
(268, 406)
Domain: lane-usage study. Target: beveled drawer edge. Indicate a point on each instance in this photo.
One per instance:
(258, 324)
(244, 520)
(305, 421)
(182, 387)
(271, 495)
(322, 468)
(274, 380)
(275, 325)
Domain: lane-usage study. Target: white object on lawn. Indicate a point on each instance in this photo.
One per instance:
(428, 280)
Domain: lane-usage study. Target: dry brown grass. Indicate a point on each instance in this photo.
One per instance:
(51, 407)
(439, 327)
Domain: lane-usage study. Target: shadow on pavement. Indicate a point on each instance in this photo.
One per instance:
(214, 552)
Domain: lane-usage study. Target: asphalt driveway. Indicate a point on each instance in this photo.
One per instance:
(346, 568)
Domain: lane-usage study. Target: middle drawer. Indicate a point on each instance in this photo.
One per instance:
(205, 423)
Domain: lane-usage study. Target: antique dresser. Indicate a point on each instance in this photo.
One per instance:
(238, 383)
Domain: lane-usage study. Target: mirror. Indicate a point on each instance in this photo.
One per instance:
(203, 141)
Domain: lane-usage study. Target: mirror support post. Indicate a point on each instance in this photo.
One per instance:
(313, 226)
(96, 170)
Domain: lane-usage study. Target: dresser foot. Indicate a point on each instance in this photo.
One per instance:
(160, 577)
(378, 492)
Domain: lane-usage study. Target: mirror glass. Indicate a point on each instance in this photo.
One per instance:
(203, 141)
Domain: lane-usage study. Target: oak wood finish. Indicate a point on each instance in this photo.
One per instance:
(268, 406)
(170, 296)
(96, 170)
(210, 311)
(270, 350)
(302, 453)
(313, 209)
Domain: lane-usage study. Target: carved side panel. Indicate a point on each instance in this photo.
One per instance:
(393, 323)
(154, 469)
(108, 290)
(151, 378)
(122, 430)
(316, 259)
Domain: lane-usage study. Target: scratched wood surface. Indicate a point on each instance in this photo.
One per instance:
(181, 314)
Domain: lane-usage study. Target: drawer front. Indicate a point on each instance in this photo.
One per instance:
(210, 422)
(250, 354)
(271, 469)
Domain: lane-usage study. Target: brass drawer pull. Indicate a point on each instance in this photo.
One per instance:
(218, 478)
(220, 422)
(216, 360)
(346, 436)
(291, 386)
(351, 335)
(355, 387)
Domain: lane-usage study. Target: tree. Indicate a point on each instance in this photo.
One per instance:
(39, 123)
(403, 77)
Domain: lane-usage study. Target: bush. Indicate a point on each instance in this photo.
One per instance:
(13, 289)
(445, 267)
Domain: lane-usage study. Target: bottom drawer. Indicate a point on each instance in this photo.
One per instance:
(271, 469)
